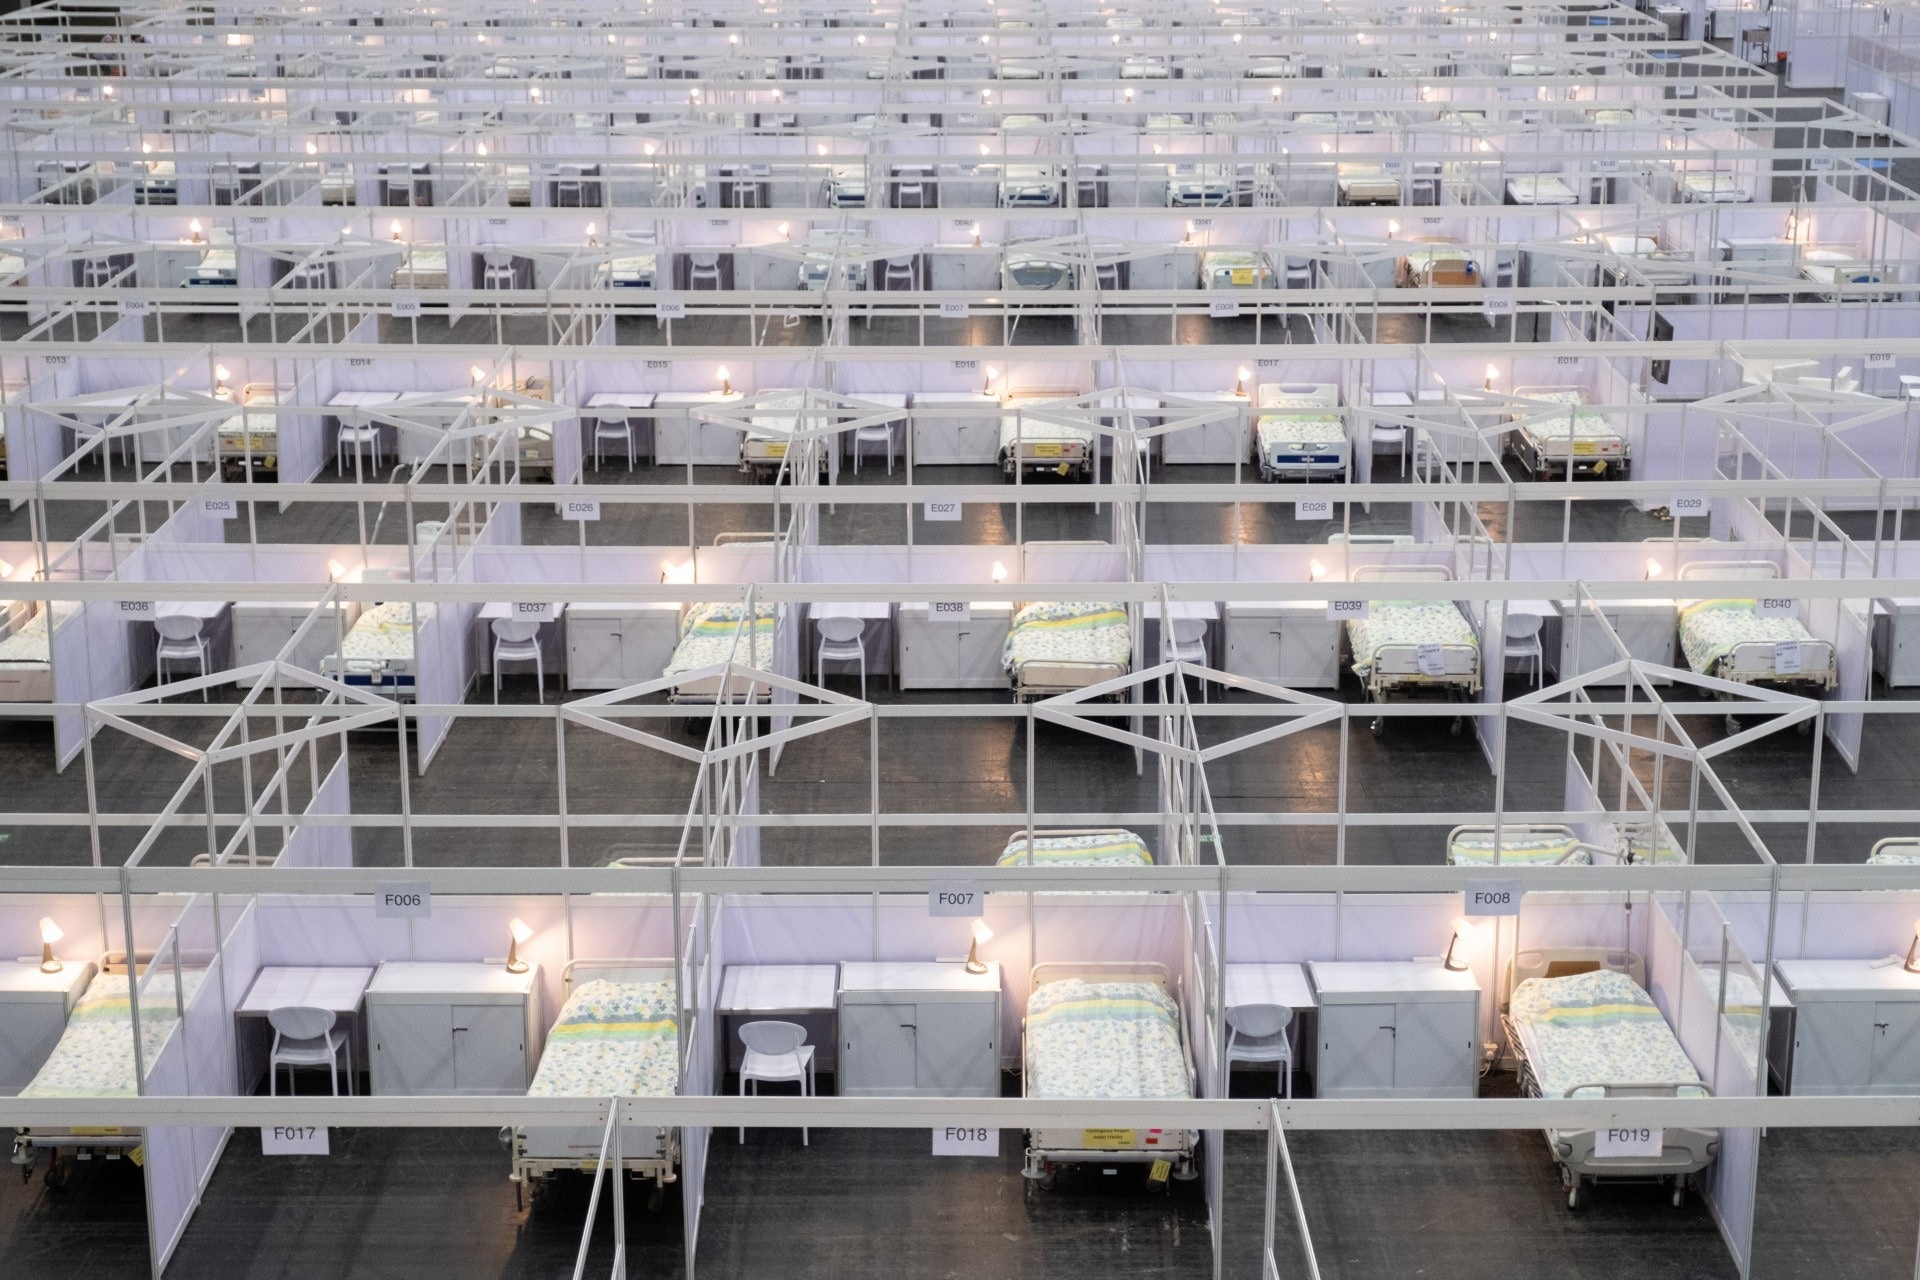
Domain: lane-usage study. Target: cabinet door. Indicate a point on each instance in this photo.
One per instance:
(593, 653)
(1433, 1048)
(1309, 653)
(1356, 1050)
(1253, 648)
(1833, 1046)
(938, 440)
(1896, 1049)
(646, 646)
(978, 648)
(929, 654)
(957, 1055)
(412, 1047)
(31, 1029)
(878, 1047)
(489, 1048)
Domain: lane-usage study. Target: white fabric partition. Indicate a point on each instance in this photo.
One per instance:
(1071, 562)
(705, 967)
(91, 659)
(317, 845)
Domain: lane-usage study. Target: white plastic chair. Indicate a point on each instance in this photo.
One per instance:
(517, 641)
(776, 1052)
(703, 271)
(899, 274)
(1106, 275)
(306, 1037)
(881, 435)
(840, 642)
(1190, 645)
(613, 429)
(1258, 1033)
(180, 641)
(909, 181)
(359, 437)
(1523, 641)
(498, 273)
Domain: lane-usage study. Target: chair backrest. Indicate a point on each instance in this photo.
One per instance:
(704, 261)
(1259, 1020)
(1189, 630)
(514, 630)
(773, 1038)
(842, 630)
(1523, 626)
(177, 626)
(299, 1022)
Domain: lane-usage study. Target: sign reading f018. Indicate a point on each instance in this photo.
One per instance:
(956, 898)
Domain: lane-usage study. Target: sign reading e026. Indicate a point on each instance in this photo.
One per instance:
(580, 509)
(956, 898)
(403, 900)
(1493, 898)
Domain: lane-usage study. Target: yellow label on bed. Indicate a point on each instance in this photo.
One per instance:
(1049, 450)
(1159, 1171)
(1586, 446)
(1107, 1139)
(1242, 277)
(95, 1131)
(777, 450)
(139, 1157)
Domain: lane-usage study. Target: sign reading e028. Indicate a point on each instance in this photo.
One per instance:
(956, 898)
(1493, 898)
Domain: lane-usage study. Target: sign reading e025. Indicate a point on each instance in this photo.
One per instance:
(1493, 898)
(956, 898)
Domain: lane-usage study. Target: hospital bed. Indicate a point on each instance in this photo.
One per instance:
(1895, 851)
(1712, 186)
(1029, 186)
(250, 439)
(1110, 1031)
(1539, 188)
(1413, 646)
(1029, 440)
(1582, 1025)
(1440, 263)
(1552, 442)
(1301, 432)
(1055, 647)
(764, 451)
(635, 271)
(1835, 269)
(1024, 269)
(1201, 186)
(424, 267)
(378, 652)
(94, 1059)
(1537, 844)
(707, 632)
(617, 1036)
(218, 268)
(1729, 639)
(1366, 185)
(1235, 269)
(26, 649)
(1076, 847)
(1662, 268)
(847, 187)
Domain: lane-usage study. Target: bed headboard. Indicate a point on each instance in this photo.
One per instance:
(1369, 539)
(623, 969)
(1564, 962)
(1757, 570)
(1290, 395)
(1102, 971)
(1402, 573)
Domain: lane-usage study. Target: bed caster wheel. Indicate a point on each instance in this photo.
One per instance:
(1573, 1195)
(1679, 1192)
(1377, 726)
(1458, 727)
(1733, 725)
(56, 1175)
(1805, 728)
(656, 1198)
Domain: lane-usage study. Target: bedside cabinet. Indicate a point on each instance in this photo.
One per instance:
(955, 427)
(1856, 1028)
(1396, 1030)
(1292, 644)
(919, 1029)
(261, 628)
(610, 646)
(1224, 443)
(1648, 628)
(452, 1028)
(33, 1015)
(937, 654)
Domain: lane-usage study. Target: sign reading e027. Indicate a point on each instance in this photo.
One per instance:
(1493, 898)
(403, 900)
(937, 511)
(956, 898)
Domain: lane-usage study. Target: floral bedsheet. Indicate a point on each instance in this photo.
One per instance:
(94, 1058)
(1518, 848)
(1104, 1040)
(1390, 622)
(1710, 630)
(1597, 1028)
(1095, 849)
(1067, 631)
(612, 1040)
(707, 637)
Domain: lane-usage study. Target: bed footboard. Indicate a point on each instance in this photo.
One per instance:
(1756, 660)
(1045, 678)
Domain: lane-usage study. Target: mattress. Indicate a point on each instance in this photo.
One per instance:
(1029, 185)
(217, 267)
(1419, 266)
(1233, 269)
(31, 644)
(1712, 188)
(1104, 1040)
(1031, 430)
(1066, 631)
(1711, 629)
(636, 272)
(1909, 857)
(1409, 622)
(1031, 271)
(1093, 849)
(1519, 849)
(707, 638)
(424, 269)
(257, 427)
(1540, 188)
(1597, 1028)
(612, 1040)
(94, 1058)
(1833, 267)
(1367, 184)
(1284, 434)
(382, 634)
(1561, 431)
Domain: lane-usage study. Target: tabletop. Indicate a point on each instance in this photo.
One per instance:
(1205, 610)
(779, 988)
(335, 989)
(865, 610)
(621, 400)
(1281, 984)
(348, 399)
(205, 610)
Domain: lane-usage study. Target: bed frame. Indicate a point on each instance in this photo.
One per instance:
(1892, 844)
(1045, 679)
(1396, 667)
(1752, 662)
(1524, 830)
(393, 677)
(1047, 1149)
(26, 681)
(706, 692)
(1037, 451)
(1304, 398)
(1683, 1153)
(646, 1151)
(1608, 458)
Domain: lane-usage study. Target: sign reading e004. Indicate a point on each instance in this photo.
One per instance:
(956, 898)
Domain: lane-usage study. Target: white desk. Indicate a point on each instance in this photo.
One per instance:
(1204, 610)
(620, 400)
(361, 399)
(865, 610)
(205, 610)
(808, 994)
(1279, 984)
(504, 609)
(339, 990)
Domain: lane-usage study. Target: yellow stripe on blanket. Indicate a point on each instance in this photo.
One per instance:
(1598, 1013)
